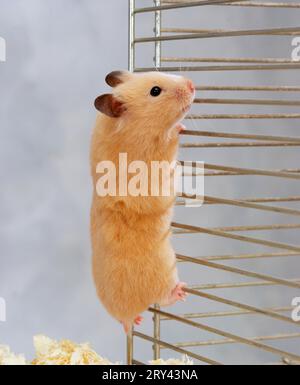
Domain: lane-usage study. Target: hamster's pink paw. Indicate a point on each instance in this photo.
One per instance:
(138, 320)
(127, 325)
(178, 294)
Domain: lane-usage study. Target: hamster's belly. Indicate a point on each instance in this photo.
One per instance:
(133, 267)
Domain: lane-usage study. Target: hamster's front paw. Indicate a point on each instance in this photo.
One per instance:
(180, 128)
(178, 294)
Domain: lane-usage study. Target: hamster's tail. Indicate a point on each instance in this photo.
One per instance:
(127, 326)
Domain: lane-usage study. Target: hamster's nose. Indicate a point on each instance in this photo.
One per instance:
(191, 86)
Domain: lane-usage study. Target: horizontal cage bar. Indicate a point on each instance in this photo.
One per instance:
(245, 273)
(236, 237)
(238, 203)
(196, 30)
(135, 362)
(249, 88)
(221, 314)
(175, 348)
(245, 228)
(249, 256)
(234, 285)
(222, 333)
(245, 171)
(227, 341)
(266, 5)
(212, 68)
(241, 136)
(205, 35)
(251, 102)
(185, 4)
(228, 173)
(238, 144)
(259, 4)
(243, 116)
(227, 60)
(240, 305)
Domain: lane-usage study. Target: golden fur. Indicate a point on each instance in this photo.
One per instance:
(134, 264)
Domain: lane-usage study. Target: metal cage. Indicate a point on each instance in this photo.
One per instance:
(276, 202)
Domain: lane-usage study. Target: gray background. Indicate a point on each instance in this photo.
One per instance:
(58, 53)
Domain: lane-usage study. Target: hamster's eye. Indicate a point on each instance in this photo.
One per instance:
(156, 91)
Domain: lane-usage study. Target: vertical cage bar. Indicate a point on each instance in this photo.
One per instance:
(156, 323)
(157, 30)
(131, 64)
(130, 348)
(131, 67)
(157, 63)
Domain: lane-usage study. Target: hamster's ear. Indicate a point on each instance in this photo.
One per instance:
(117, 77)
(110, 106)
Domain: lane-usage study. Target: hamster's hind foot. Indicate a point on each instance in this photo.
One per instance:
(138, 320)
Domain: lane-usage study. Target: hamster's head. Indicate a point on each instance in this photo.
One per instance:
(154, 97)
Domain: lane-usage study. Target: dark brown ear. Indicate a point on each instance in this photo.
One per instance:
(109, 105)
(117, 77)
